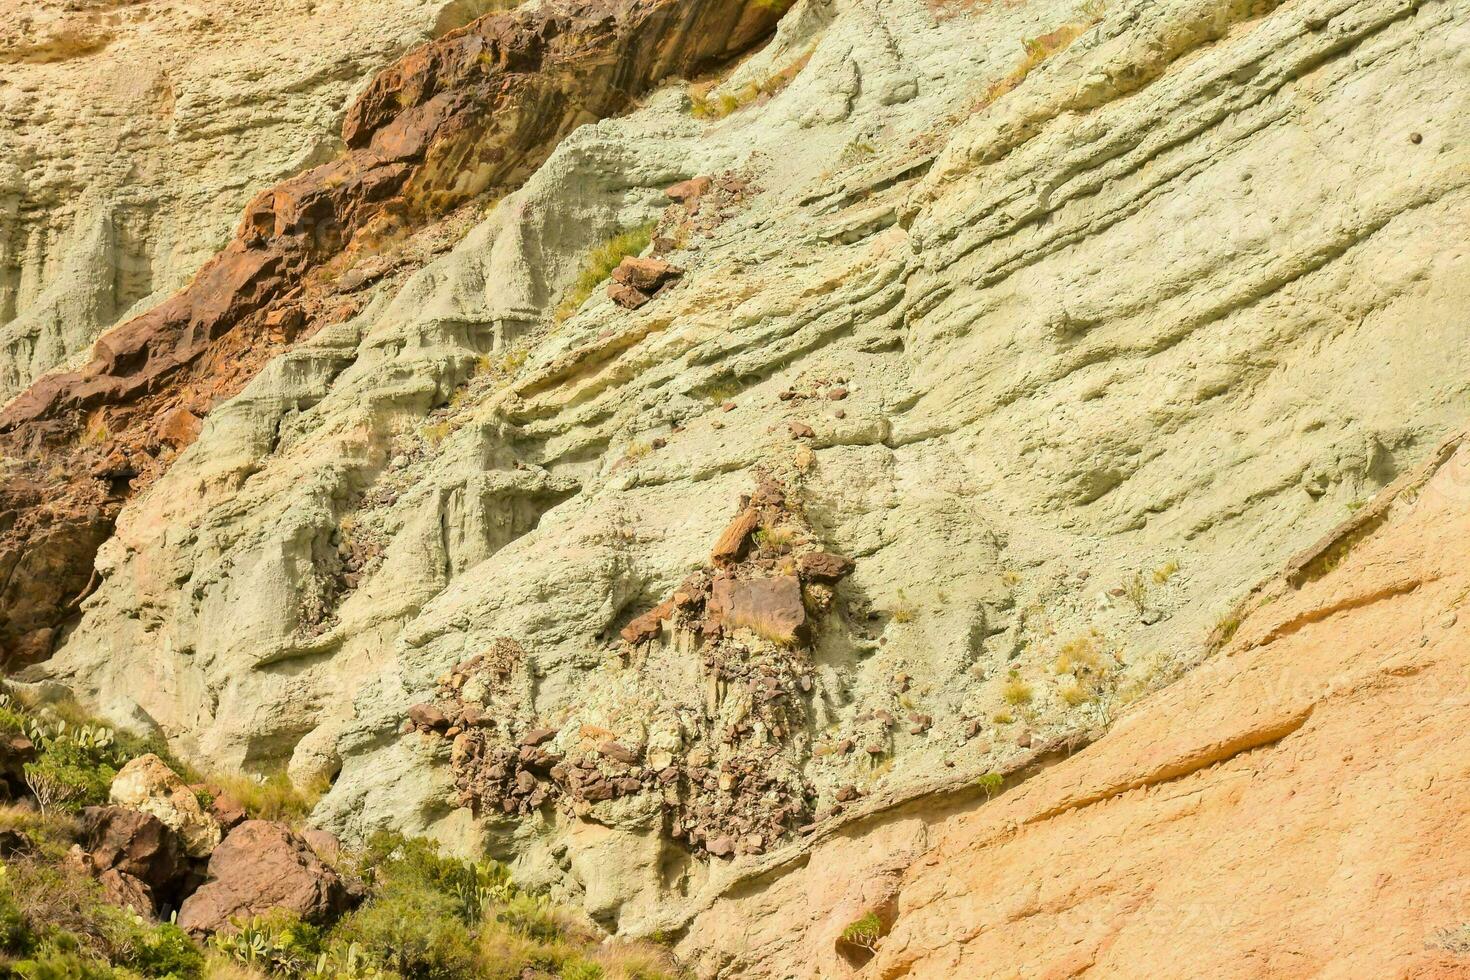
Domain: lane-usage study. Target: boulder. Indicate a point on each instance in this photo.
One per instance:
(770, 607)
(134, 843)
(261, 867)
(823, 566)
(125, 891)
(645, 275)
(149, 785)
(626, 296)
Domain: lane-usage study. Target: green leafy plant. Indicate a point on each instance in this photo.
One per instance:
(67, 776)
(864, 931)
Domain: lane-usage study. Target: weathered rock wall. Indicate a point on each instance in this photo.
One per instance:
(1291, 808)
(458, 119)
(134, 133)
(1120, 319)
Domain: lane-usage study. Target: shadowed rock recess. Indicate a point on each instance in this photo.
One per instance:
(855, 488)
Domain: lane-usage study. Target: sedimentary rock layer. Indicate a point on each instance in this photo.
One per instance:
(132, 135)
(1066, 344)
(1295, 807)
(469, 114)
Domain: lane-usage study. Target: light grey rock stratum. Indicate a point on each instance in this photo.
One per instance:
(1118, 334)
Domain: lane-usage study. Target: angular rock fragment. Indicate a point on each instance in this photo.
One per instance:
(770, 607)
(731, 543)
(823, 566)
(148, 784)
(618, 751)
(429, 717)
(628, 297)
(686, 192)
(645, 275)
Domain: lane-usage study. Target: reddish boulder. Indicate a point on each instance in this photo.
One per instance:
(262, 866)
(133, 843)
(688, 192)
(823, 566)
(645, 275)
(769, 607)
(127, 892)
(628, 297)
(140, 863)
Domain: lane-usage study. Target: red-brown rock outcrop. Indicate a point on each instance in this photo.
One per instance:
(261, 867)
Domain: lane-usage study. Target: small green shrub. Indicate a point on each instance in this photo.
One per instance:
(865, 931)
(990, 783)
(413, 930)
(166, 951)
(67, 777)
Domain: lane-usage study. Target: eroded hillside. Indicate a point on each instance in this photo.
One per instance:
(981, 359)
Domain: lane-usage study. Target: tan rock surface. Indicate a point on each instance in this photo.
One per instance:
(148, 784)
(1296, 807)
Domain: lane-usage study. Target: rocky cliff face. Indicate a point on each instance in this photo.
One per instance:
(1001, 351)
(135, 132)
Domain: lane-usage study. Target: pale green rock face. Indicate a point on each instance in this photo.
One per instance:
(1116, 345)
